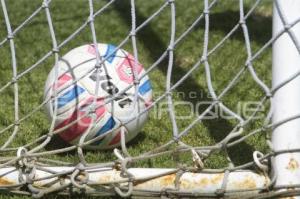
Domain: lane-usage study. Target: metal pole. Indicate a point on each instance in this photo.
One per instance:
(286, 100)
(145, 180)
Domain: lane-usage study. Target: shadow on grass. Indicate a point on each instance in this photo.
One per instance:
(58, 143)
(259, 27)
(152, 41)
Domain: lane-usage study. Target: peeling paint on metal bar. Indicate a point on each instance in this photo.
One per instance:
(6, 181)
(144, 179)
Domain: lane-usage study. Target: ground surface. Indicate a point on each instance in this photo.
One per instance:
(33, 41)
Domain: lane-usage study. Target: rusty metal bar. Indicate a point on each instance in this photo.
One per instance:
(153, 180)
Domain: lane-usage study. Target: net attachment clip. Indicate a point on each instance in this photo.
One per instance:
(262, 164)
(198, 163)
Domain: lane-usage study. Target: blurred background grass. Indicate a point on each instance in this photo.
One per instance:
(34, 41)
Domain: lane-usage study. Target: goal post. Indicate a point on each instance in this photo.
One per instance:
(286, 86)
(275, 174)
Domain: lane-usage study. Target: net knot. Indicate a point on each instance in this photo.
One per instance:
(21, 152)
(217, 101)
(50, 135)
(287, 27)
(242, 21)
(248, 62)
(17, 122)
(90, 19)
(98, 66)
(261, 164)
(170, 48)
(10, 36)
(26, 166)
(30, 176)
(222, 146)
(264, 128)
(136, 81)
(45, 4)
(206, 11)
(79, 177)
(269, 95)
(80, 167)
(132, 33)
(124, 173)
(55, 50)
(204, 58)
(14, 80)
(176, 139)
(168, 93)
(125, 194)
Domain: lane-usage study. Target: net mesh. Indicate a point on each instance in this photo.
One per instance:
(209, 63)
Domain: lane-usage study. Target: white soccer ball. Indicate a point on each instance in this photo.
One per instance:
(75, 94)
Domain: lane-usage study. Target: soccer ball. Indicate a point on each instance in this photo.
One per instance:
(79, 105)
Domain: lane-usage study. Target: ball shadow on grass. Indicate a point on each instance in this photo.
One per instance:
(57, 143)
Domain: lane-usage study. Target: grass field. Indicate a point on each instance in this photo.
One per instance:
(34, 41)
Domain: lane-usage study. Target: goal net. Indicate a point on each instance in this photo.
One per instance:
(224, 119)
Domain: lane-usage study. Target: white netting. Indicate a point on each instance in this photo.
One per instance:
(213, 56)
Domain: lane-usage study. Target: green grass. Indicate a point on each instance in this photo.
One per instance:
(34, 41)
